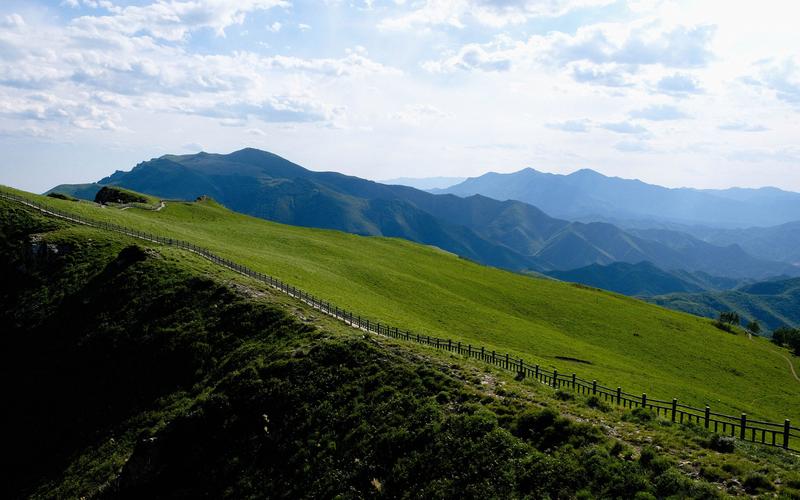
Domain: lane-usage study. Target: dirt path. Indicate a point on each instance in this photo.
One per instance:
(788, 360)
(791, 367)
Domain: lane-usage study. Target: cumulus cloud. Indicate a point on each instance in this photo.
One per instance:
(678, 85)
(490, 57)
(782, 155)
(662, 112)
(13, 21)
(624, 128)
(574, 126)
(107, 66)
(742, 127)
(492, 13)
(418, 114)
(632, 147)
(601, 55)
(679, 47)
(173, 20)
(605, 75)
(780, 77)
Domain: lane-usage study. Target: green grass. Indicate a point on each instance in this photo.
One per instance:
(629, 343)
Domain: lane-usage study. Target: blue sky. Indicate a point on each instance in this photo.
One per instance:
(680, 93)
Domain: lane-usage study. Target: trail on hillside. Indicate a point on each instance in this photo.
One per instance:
(787, 358)
(791, 367)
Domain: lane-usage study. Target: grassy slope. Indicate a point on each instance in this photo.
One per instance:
(154, 378)
(673, 354)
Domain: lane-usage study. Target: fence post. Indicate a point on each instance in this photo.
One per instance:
(459, 347)
(786, 427)
(573, 381)
(644, 400)
(594, 387)
(483, 354)
(555, 377)
(537, 372)
(619, 395)
(506, 361)
(674, 408)
(493, 361)
(743, 425)
(469, 350)
(708, 415)
(449, 345)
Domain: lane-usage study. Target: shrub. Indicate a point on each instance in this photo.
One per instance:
(564, 395)
(597, 403)
(714, 474)
(757, 483)
(61, 196)
(639, 415)
(722, 444)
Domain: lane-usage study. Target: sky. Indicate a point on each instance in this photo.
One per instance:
(698, 93)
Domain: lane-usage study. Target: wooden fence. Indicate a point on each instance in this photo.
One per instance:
(781, 435)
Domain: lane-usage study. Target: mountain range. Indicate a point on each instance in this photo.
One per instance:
(644, 279)
(509, 234)
(589, 195)
(772, 303)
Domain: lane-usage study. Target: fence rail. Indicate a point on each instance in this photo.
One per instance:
(782, 435)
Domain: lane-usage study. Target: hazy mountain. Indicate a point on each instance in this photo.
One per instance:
(82, 191)
(425, 183)
(781, 243)
(772, 303)
(586, 194)
(643, 279)
(508, 234)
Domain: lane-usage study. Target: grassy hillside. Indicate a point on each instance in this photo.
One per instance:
(619, 340)
(134, 371)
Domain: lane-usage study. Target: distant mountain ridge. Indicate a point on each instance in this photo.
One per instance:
(425, 183)
(508, 234)
(772, 303)
(589, 195)
(643, 279)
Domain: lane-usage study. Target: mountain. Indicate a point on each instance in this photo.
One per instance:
(779, 243)
(589, 195)
(129, 370)
(425, 183)
(771, 303)
(508, 234)
(425, 290)
(642, 279)
(82, 191)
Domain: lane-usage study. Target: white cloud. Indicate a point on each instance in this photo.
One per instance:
(493, 13)
(173, 20)
(418, 114)
(624, 128)
(742, 127)
(780, 77)
(605, 54)
(678, 85)
(659, 112)
(274, 27)
(579, 126)
(13, 21)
